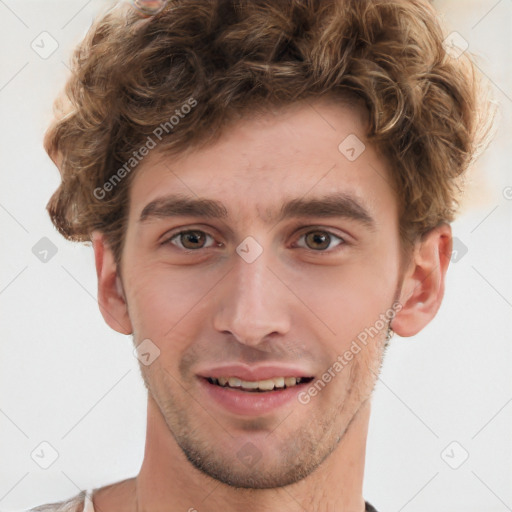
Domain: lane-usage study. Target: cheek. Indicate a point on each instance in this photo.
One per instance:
(164, 301)
(347, 298)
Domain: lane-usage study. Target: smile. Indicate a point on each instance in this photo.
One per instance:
(258, 385)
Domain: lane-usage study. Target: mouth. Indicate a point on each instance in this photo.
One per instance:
(245, 391)
(258, 386)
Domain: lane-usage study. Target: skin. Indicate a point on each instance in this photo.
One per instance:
(293, 304)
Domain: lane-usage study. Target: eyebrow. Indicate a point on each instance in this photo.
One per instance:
(333, 205)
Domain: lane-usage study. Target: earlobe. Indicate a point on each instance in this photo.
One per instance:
(111, 296)
(423, 284)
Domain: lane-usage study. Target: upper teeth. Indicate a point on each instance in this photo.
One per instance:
(266, 385)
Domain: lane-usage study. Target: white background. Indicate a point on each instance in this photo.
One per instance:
(68, 379)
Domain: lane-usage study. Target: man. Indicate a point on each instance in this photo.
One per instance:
(268, 188)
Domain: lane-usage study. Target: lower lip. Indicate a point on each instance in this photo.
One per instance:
(250, 403)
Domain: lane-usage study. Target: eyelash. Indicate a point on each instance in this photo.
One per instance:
(332, 235)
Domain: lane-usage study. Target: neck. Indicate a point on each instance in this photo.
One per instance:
(167, 480)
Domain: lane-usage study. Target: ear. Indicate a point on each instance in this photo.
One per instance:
(111, 298)
(423, 284)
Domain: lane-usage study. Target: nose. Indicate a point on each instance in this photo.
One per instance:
(252, 301)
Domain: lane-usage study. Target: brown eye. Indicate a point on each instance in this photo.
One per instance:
(192, 239)
(319, 240)
(189, 240)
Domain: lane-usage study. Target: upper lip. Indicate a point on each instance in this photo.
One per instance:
(253, 373)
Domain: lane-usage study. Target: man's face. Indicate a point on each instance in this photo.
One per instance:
(251, 296)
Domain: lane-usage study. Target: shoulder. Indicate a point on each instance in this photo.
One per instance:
(369, 507)
(117, 496)
(74, 504)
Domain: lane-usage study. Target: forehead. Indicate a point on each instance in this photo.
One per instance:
(304, 150)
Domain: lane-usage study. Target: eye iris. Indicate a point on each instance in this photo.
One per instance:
(192, 235)
(316, 238)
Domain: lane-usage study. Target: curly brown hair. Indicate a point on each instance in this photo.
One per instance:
(131, 73)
